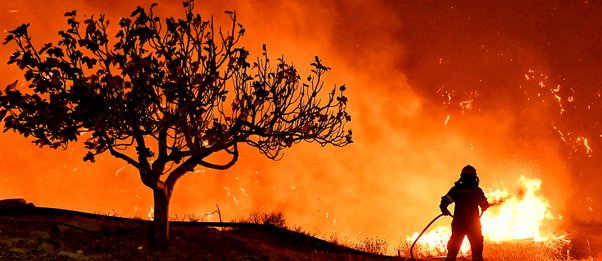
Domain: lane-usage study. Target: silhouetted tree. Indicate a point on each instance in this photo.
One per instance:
(164, 96)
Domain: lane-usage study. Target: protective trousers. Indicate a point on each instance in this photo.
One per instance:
(473, 232)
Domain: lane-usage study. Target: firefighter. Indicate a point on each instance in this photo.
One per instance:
(468, 197)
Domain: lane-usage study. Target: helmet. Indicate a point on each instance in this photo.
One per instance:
(468, 177)
(469, 170)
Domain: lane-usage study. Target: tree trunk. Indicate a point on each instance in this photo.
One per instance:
(159, 237)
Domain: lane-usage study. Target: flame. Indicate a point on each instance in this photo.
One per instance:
(151, 213)
(520, 216)
(512, 216)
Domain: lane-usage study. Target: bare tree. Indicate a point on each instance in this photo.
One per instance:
(163, 95)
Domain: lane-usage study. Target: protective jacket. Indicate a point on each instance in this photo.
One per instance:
(467, 201)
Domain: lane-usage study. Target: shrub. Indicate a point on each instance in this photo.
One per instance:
(271, 218)
(373, 245)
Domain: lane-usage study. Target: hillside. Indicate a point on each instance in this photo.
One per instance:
(34, 233)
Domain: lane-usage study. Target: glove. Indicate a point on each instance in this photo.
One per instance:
(484, 208)
(445, 212)
(484, 205)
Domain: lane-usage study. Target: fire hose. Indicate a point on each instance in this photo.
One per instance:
(427, 227)
(419, 235)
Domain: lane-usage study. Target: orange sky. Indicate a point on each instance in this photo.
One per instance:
(433, 86)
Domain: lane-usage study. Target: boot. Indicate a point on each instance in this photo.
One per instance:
(451, 256)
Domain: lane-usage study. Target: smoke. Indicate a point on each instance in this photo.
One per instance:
(510, 88)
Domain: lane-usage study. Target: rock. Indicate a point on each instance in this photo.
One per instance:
(15, 202)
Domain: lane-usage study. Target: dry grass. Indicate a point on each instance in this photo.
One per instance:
(527, 250)
(272, 218)
(420, 251)
(373, 245)
(554, 249)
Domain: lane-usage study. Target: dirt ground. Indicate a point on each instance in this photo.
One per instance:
(30, 233)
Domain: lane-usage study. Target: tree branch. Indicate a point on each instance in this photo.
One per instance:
(159, 165)
(231, 163)
(120, 155)
(177, 173)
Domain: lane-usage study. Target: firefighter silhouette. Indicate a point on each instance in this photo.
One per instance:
(467, 197)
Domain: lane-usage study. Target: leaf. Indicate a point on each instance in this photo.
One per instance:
(135, 12)
(89, 157)
(56, 51)
(73, 23)
(20, 31)
(347, 117)
(89, 144)
(72, 13)
(91, 28)
(124, 22)
(2, 114)
(8, 38)
(342, 99)
(45, 47)
(11, 86)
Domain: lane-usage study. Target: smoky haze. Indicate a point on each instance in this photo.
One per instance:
(512, 88)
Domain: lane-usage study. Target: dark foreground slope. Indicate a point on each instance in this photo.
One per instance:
(31, 233)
